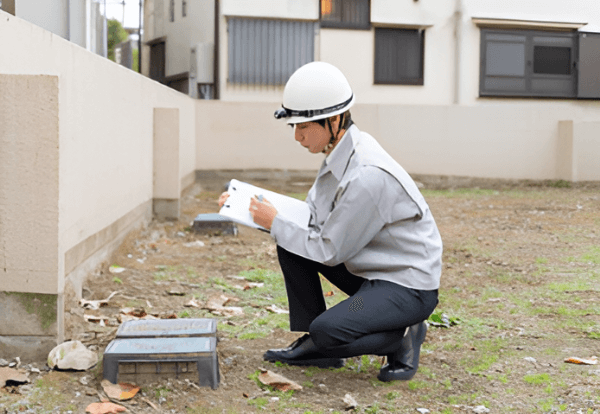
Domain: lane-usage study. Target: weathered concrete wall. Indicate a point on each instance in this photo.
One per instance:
(492, 141)
(29, 145)
(167, 184)
(75, 178)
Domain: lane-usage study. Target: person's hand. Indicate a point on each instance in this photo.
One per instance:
(263, 213)
(222, 198)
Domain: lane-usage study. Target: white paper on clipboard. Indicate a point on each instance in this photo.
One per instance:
(238, 204)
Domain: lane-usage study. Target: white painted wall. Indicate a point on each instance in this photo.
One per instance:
(106, 137)
(185, 32)
(52, 15)
(284, 9)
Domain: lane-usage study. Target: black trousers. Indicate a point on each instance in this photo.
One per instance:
(371, 321)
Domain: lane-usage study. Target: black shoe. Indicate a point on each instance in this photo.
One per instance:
(302, 352)
(403, 364)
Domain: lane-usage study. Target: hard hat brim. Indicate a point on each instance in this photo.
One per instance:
(300, 119)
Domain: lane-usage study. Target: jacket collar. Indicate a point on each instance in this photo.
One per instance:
(337, 161)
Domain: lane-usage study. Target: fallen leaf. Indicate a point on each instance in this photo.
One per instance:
(116, 269)
(278, 381)
(252, 285)
(589, 361)
(104, 408)
(96, 304)
(330, 293)
(193, 304)
(137, 312)
(11, 374)
(96, 319)
(215, 305)
(275, 309)
(121, 391)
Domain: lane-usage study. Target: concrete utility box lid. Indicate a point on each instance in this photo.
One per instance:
(168, 328)
(156, 346)
(213, 222)
(146, 360)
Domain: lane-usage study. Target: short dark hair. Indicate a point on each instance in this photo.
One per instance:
(346, 120)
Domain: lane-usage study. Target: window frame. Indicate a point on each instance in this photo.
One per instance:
(529, 63)
(184, 8)
(171, 11)
(328, 24)
(401, 81)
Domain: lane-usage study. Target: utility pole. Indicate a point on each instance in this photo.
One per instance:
(140, 40)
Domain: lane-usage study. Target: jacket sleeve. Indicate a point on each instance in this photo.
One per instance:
(352, 223)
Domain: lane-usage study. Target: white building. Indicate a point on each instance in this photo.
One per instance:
(80, 21)
(426, 52)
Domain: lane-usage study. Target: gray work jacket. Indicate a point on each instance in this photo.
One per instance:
(367, 212)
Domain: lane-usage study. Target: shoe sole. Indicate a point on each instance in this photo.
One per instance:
(320, 362)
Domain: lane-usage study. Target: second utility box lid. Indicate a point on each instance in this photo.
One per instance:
(154, 328)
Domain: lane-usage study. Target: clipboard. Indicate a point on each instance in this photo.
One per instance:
(238, 204)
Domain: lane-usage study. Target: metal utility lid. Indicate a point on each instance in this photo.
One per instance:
(160, 346)
(154, 328)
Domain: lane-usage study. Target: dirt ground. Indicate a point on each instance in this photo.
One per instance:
(520, 285)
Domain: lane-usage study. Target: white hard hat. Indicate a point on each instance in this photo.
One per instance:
(315, 91)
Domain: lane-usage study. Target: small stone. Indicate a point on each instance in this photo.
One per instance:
(3, 362)
(274, 399)
(423, 410)
(350, 402)
(530, 359)
(481, 409)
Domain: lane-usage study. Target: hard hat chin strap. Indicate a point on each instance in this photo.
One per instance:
(334, 138)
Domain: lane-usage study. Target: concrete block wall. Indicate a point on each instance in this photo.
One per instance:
(77, 172)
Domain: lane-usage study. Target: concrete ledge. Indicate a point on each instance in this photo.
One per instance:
(83, 250)
(28, 348)
(188, 181)
(166, 209)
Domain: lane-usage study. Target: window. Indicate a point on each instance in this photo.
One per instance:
(533, 63)
(171, 10)
(346, 14)
(183, 8)
(267, 51)
(399, 56)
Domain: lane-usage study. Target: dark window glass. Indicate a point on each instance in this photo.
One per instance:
(399, 56)
(172, 10)
(350, 14)
(184, 8)
(527, 63)
(552, 60)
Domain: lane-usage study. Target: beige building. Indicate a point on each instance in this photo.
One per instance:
(82, 22)
(435, 52)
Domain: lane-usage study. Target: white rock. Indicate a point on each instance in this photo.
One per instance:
(350, 402)
(530, 359)
(481, 409)
(423, 410)
(196, 243)
(72, 355)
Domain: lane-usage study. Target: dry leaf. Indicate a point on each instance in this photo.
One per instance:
(275, 309)
(193, 304)
(104, 408)
(589, 361)
(252, 285)
(330, 293)
(121, 391)
(278, 381)
(11, 374)
(96, 304)
(116, 269)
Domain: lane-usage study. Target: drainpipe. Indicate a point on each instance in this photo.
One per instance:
(458, 14)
